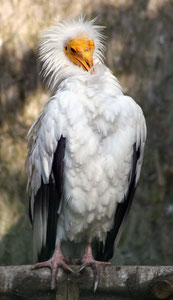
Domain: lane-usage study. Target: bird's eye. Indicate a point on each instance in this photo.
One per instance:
(73, 50)
(65, 48)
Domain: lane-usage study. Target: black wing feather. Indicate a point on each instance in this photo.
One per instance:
(105, 253)
(47, 201)
(45, 207)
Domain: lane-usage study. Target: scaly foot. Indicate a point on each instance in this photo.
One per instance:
(89, 261)
(54, 263)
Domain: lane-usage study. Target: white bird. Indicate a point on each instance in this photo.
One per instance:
(85, 152)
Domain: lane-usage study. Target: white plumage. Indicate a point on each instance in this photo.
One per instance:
(102, 128)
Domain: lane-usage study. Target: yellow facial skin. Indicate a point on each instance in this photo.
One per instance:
(80, 52)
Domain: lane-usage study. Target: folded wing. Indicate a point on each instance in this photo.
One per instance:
(105, 251)
(45, 166)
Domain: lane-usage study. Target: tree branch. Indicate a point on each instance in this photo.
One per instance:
(23, 282)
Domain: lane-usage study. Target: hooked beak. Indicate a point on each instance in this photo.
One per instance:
(86, 60)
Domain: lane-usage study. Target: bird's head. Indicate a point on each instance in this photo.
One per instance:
(70, 48)
(80, 51)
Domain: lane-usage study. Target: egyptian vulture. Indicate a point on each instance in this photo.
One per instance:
(85, 152)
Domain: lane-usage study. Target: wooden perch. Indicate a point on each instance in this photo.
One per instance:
(126, 282)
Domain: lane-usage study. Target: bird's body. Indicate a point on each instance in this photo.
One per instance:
(85, 155)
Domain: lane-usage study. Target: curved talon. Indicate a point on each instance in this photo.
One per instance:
(89, 261)
(96, 285)
(55, 268)
(81, 269)
(54, 263)
(67, 268)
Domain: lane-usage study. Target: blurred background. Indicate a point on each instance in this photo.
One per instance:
(140, 53)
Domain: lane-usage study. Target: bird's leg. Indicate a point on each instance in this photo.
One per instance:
(54, 263)
(89, 261)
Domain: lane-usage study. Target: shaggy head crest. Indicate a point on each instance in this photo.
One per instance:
(55, 64)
